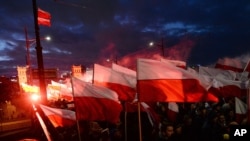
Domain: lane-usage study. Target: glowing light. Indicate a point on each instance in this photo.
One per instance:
(48, 38)
(35, 97)
(151, 43)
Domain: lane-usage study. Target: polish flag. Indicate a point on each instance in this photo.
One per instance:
(153, 117)
(94, 102)
(53, 92)
(129, 75)
(230, 64)
(65, 90)
(240, 110)
(43, 17)
(88, 76)
(164, 82)
(125, 71)
(173, 110)
(229, 88)
(59, 117)
(213, 72)
(121, 83)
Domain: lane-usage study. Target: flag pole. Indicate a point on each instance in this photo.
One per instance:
(77, 121)
(248, 103)
(139, 120)
(139, 107)
(125, 120)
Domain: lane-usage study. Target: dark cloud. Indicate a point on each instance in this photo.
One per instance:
(88, 31)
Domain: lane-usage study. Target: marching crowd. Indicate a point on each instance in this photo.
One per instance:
(194, 122)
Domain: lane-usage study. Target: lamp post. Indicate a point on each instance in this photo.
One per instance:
(39, 55)
(29, 43)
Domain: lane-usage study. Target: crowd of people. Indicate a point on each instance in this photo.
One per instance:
(194, 122)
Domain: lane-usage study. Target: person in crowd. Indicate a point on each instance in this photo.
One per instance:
(166, 132)
(178, 134)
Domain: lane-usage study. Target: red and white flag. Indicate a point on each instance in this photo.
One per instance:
(123, 84)
(59, 117)
(94, 102)
(172, 111)
(240, 110)
(229, 88)
(164, 82)
(65, 90)
(43, 17)
(213, 72)
(125, 71)
(230, 64)
(128, 74)
(88, 76)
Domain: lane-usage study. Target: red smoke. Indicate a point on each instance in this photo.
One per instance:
(179, 51)
(108, 55)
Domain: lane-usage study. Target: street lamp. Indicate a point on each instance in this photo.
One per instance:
(29, 43)
(160, 45)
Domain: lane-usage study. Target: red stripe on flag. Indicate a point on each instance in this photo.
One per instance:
(125, 92)
(186, 90)
(43, 17)
(101, 109)
(57, 121)
(43, 14)
(45, 22)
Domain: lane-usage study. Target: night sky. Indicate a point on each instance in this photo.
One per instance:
(84, 32)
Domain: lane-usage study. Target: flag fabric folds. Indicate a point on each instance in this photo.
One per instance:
(240, 109)
(177, 63)
(95, 103)
(164, 82)
(64, 90)
(125, 71)
(214, 72)
(43, 17)
(229, 88)
(172, 111)
(123, 84)
(59, 117)
(235, 65)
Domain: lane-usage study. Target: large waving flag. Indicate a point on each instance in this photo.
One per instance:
(119, 82)
(59, 117)
(125, 71)
(94, 102)
(229, 88)
(43, 17)
(214, 72)
(164, 82)
(226, 74)
(128, 74)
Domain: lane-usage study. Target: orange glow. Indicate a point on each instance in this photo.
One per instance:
(35, 97)
(30, 89)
